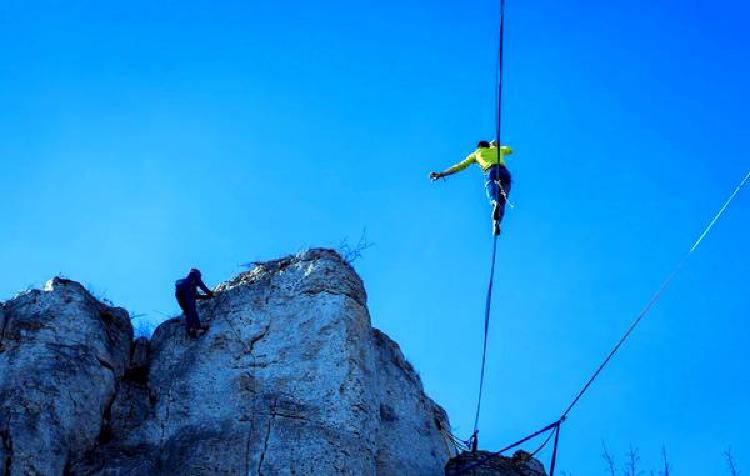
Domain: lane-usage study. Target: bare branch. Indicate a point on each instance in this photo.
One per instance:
(143, 327)
(609, 460)
(631, 463)
(353, 253)
(731, 463)
(667, 471)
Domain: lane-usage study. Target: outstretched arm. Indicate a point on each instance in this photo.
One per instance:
(437, 175)
(456, 168)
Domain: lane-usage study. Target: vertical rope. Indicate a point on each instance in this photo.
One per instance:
(487, 307)
(488, 300)
(499, 78)
(553, 463)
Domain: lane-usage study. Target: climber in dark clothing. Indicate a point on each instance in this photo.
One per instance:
(186, 292)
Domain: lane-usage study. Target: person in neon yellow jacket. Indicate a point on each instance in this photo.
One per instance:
(497, 177)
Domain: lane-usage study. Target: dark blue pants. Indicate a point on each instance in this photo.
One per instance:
(498, 173)
(187, 304)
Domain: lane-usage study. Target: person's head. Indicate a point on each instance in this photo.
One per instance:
(483, 144)
(194, 274)
(493, 143)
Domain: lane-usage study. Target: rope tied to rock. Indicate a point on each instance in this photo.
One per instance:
(555, 427)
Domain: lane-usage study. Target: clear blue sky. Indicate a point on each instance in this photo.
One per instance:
(139, 140)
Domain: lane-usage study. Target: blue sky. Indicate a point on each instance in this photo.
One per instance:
(141, 139)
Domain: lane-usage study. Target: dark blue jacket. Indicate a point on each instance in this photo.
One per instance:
(188, 286)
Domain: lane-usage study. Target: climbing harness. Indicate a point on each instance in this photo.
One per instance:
(505, 195)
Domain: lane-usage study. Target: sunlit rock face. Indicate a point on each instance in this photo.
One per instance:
(291, 378)
(62, 356)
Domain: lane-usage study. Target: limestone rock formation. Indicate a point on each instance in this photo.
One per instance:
(62, 354)
(291, 378)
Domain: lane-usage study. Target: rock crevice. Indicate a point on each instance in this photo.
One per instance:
(6, 454)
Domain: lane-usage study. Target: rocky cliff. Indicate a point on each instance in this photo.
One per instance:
(291, 378)
(63, 355)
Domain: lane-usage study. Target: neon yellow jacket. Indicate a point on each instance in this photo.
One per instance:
(486, 157)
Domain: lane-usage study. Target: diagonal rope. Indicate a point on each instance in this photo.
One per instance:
(667, 282)
(554, 428)
(721, 212)
(488, 300)
(544, 443)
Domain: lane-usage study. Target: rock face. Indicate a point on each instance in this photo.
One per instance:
(62, 354)
(484, 463)
(291, 378)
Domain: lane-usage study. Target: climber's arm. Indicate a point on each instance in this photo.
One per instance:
(456, 168)
(208, 293)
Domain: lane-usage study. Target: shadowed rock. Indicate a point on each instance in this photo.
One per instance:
(485, 463)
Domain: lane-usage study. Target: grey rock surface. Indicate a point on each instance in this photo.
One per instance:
(62, 354)
(291, 378)
(485, 463)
